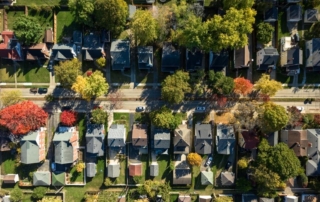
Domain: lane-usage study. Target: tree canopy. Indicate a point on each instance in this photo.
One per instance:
(223, 199)
(39, 192)
(82, 11)
(101, 62)
(164, 118)
(154, 188)
(23, 117)
(163, 18)
(10, 97)
(68, 118)
(194, 159)
(238, 4)
(67, 72)
(27, 29)
(16, 194)
(175, 86)
(273, 117)
(220, 83)
(143, 27)
(111, 15)
(242, 86)
(99, 116)
(267, 86)
(264, 32)
(246, 115)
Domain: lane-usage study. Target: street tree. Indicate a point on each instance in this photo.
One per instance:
(101, 62)
(223, 199)
(11, 97)
(82, 11)
(264, 32)
(267, 180)
(198, 82)
(238, 4)
(194, 159)
(16, 194)
(23, 117)
(68, 118)
(99, 116)
(143, 27)
(27, 29)
(246, 115)
(295, 117)
(267, 86)
(219, 83)
(175, 86)
(39, 192)
(242, 86)
(67, 71)
(111, 15)
(273, 117)
(164, 118)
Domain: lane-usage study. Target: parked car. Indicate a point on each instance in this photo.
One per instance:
(42, 90)
(200, 108)
(140, 109)
(300, 108)
(53, 166)
(228, 165)
(33, 90)
(209, 161)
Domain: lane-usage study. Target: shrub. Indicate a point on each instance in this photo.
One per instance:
(80, 166)
(101, 62)
(6, 8)
(137, 179)
(16, 194)
(49, 98)
(39, 192)
(107, 182)
(243, 163)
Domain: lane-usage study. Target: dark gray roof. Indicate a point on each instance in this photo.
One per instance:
(193, 60)
(120, 54)
(92, 54)
(182, 172)
(311, 15)
(91, 41)
(225, 139)
(30, 148)
(95, 139)
(161, 139)
(294, 56)
(181, 140)
(117, 135)
(41, 178)
(77, 37)
(267, 57)
(63, 52)
(313, 53)
(91, 169)
(249, 198)
(113, 170)
(271, 15)
(219, 61)
(206, 178)
(170, 61)
(313, 152)
(294, 13)
(227, 178)
(203, 138)
(154, 169)
(145, 57)
(273, 138)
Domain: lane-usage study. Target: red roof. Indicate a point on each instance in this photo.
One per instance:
(6, 35)
(251, 140)
(135, 169)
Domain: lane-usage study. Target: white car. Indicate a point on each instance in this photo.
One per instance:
(300, 108)
(200, 108)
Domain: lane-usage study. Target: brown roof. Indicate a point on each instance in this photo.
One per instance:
(48, 38)
(184, 198)
(135, 169)
(140, 135)
(249, 140)
(10, 178)
(296, 140)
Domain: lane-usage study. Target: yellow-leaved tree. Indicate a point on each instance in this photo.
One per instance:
(194, 159)
(267, 86)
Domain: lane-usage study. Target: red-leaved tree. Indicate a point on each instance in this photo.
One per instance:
(242, 86)
(68, 118)
(23, 117)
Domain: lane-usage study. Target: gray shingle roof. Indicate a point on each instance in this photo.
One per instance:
(120, 54)
(266, 199)
(42, 178)
(170, 61)
(267, 57)
(271, 15)
(30, 148)
(95, 139)
(313, 152)
(294, 13)
(117, 135)
(113, 170)
(273, 138)
(249, 198)
(91, 169)
(313, 54)
(291, 199)
(63, 149)
(77, 37)
(181, 141)
(206, 178)
(218, 61)
(203, 138)
(225, 139)
(63, 52)
(154, 169)
(227, 178)
(145, 57)
(161, 139)
(311, 16)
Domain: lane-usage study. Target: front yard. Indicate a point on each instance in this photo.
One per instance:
(11, 16)
(119, 77)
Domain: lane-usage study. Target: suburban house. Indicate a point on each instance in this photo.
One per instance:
(145, 57)
(48, 36)
(184, 198)
(294, 13)
(219, 61)
(66, 146)
(36, 52)
(154, 169)
(120, 54)
(113, 170)
(206, 177)
(266, 199)
(10, 48)
(77, 37)
(117, 136)
(227, 178)
(241, 57)
(91, 169)
(194, 60)
(267, 58)
(273, 138)
(181, 140)
(140, 137)
(61, 52)
(203, 138)
(95, 140)
(182, 171)
(170, 61)
(161, 141)
(205, 198)
(312, 54)
(33, 147)
(313, 152)
(225, 139)
(10, 178)
(297, 140)
(135, 169)
(248, 140)
(291, 56)
(291, 199)
(249, 198)
(310, 197)
(311, 16)
(92, 48)
(41, 178)
(58, 179)
(271, 14)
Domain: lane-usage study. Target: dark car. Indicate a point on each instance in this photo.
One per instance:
(50, 65)
(66, 108)
(228, 165)
(140, 109)
(42, 90)
(33, 90)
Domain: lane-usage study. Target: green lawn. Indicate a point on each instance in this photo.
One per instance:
(118, 77)
(75, 176)
(65, 24)
(74, 194)
(45, 19)
(41, 2)
(165, 173)
(11, 16)
(27, 72)
(282, 25)
(143, 76)
(145, 167)
(8, 161)
(123, 169)
(82, 128)
(27, 198)
(122, 118)
(97, 181)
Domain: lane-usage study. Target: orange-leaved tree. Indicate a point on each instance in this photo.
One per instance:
(23, 117)
(68, 118)
(242, 86)
(194, 159)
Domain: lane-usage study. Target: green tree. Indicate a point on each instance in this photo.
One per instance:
(243, 184)
(82, 11)
(220, 83)
(243, 163)
(154, 188)
(111, 15)
(163, 18)
(267, 86)
(273, 117)
(99, 116)
(101, 62)
(264, 32)
(163, 118)
(67, 72)
(267, 180)
(16, 194)
(27, 29)
(143, 27)
(39, 193)
(223, 199)
(238, 4)
(10, 97)
(175, 86)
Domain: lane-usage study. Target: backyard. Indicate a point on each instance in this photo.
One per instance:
(65, 25)
(96, 182)
(11, 16)
(81, 128)
(164, 168)
(41, 2)
(8, 163)
(122, 177)
(44, 18)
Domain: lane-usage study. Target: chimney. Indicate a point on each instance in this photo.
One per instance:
(199, 132)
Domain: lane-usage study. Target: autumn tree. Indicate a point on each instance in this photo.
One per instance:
(267, 180)
(27, 29)
(112, 15)
(143, 27)
(175, 86)
(163, 17)
(67, 71)
(295, 117)
(242, 86)
(11, 97)
(264, 32)
(267, 86)
(82, 10)
(99, 116)
(68, 118)
(164, 118)
(243, 163)
(39, 192)
(194, 159)
(273, 117)
(101, 62)
(223, 199)
(238, 4)
(23, 117)
(92, 86)
(246, 115)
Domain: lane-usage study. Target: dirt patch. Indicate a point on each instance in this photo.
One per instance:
(224, 118)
